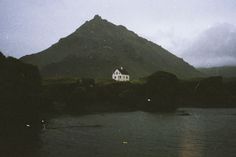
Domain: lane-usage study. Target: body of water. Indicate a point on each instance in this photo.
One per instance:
(192, 133)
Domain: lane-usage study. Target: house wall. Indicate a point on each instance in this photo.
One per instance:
(120, 77)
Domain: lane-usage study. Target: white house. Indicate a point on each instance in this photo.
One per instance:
(120, 74)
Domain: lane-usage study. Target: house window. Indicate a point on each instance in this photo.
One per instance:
(126, 77)
(114, 77)
(119, 77)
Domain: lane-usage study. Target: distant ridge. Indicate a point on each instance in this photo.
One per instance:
(98, 46)
(224, 71)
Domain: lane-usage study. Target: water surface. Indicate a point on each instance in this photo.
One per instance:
(203, 133)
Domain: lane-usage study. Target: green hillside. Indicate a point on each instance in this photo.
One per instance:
(98, 46)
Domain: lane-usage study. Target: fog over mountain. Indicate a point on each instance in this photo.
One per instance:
(214, 47)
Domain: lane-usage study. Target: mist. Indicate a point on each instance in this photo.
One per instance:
(215, 46)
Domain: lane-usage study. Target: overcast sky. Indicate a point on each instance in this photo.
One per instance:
(29, 26)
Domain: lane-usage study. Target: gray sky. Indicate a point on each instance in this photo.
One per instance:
(29, 26)
(215, 46)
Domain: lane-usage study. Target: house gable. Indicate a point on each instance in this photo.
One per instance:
(120, 74)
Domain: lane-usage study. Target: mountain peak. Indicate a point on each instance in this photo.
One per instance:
(98, 46)
(97, 17)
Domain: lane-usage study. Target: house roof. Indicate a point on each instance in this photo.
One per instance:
(122, 71)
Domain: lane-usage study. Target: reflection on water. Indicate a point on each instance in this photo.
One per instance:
(189, 145)
(188, 148)
(201, 133)
(208, 132)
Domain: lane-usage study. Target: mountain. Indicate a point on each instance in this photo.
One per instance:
(98, 46)
(214, 47)
(225, 71)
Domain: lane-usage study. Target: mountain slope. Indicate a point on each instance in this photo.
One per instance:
(98, 46)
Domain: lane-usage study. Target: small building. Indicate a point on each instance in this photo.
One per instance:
(120, 74)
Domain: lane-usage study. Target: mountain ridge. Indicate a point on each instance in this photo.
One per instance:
(224, 71)
(96, 47)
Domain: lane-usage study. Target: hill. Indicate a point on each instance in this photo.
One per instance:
(20, 87)
(225, 71)
(98, 46)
